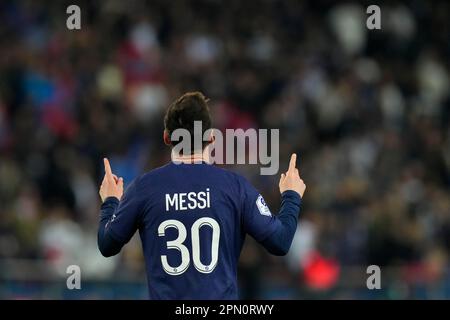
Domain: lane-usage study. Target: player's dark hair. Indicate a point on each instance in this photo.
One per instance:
(190, 107)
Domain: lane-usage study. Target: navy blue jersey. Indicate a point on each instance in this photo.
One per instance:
(192, 220)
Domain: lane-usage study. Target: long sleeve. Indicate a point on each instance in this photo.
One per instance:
(279, 242)
(107, 245)
(119, 220)
(274, 232)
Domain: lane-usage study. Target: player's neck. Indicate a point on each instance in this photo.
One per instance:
(193, 158)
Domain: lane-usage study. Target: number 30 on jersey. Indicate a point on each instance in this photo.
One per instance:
(185, 256)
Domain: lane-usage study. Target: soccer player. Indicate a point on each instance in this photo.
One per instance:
(193, 217)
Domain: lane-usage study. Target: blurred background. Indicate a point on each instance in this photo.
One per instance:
(367, 111)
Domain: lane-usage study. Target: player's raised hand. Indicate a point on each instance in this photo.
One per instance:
(291, 179)
(111, 185)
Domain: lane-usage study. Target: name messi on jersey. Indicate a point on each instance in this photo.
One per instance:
(188, 200)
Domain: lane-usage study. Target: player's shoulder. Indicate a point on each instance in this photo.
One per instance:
(233, 183)
(153, 174)
(168, 172)
(227, 174)
(235, 179)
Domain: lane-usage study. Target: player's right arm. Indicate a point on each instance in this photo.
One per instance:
(275, 233)
(119, 214)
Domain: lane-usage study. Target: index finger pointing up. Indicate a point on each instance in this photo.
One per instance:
(108, 170)
(292, 163)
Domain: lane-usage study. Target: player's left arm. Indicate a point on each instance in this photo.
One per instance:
(119, 214)
(275, 233)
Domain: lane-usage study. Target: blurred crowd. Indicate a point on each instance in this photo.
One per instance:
(367, 111)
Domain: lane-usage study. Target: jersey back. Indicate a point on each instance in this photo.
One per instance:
(192, 220)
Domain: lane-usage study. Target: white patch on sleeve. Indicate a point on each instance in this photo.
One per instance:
(262, 207)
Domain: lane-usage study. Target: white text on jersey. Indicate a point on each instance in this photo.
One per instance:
(188, 200)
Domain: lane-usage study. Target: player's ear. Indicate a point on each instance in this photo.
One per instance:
(166, 138)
